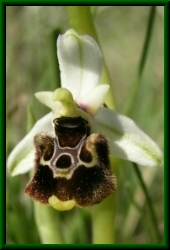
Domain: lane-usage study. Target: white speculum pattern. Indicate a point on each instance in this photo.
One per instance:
(73, 153)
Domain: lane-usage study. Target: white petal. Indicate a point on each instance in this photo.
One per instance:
(80, 62)
(94, 100)
(46, 98)
(126, 139)
(21, 159)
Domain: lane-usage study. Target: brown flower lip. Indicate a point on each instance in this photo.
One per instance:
(74, 165)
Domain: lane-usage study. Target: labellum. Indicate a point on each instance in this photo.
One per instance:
(72, 166)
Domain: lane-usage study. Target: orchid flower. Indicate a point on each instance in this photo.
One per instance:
(97, 131)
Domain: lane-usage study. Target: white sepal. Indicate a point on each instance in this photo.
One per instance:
(80, 62)
(21, 159)
(126, 139)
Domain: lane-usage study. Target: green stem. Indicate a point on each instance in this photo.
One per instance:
(149, 204)
(103, 214)
(48, 224)
(129, 104)
(81, 20)
(103, 217)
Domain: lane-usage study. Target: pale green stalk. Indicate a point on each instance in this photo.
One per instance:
(48, 224)
(102, 214)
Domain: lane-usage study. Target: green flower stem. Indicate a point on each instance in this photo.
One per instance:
(48, 224)
(103, 221)
(81, 20)
(149, 204)
(129, 104)
(103, 214)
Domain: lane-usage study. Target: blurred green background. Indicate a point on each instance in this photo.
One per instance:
(30, 62)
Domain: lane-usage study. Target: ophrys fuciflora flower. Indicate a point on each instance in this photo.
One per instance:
(69, 148)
